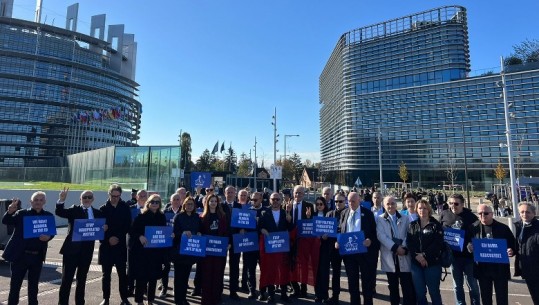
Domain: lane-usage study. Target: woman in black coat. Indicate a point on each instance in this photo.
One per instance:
(151, 259)
(188, 223)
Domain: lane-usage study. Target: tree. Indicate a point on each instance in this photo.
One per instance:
(297, 167)
(403, 172)
(185, 144)
(244, 166)
(528, 50)
(204, 161)
(512, 60)
(499, 172)
(230, 160)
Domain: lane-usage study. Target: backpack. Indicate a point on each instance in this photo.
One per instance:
(446, 259)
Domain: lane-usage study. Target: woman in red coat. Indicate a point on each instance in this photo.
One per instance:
(213, 223)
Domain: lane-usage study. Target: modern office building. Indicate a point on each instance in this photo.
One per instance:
(405, 84)
(64, 92)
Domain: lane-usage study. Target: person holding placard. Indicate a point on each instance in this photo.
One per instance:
(321, 286)
(489, 274)
(188, 223)
(461, 218)
(527, 258)
(360, 219)
(26, 255)
(171, 209)
(76, 255)
(212, 272)
(274, 267)
(234, 258)
(425, 239)
(391, 229)
(250, 259)
(150, 260)
(113, 249)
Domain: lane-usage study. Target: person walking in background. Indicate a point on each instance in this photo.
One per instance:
(150, 260)
(26, 255)
(76, 255)
(187, 223)
(113, 249)
(527, 256)
(425, 239)
(461, 218)
(391, 229)
(488, 274)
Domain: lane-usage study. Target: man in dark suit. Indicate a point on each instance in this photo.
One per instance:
(136, 207)
(25, 255)
(77, 256)
(354, 219)
(300, 210)
(113, 249)
(234, 258)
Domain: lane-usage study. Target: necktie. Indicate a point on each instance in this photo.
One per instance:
(85, 212)
(296, 210)
(351, 222)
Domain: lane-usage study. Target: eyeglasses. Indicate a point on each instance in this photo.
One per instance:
(88, 197)
(155, 202)
(275, 199)
(484, 213)
(454, 203)
(339, 201)
(115, 196)
(209, 190)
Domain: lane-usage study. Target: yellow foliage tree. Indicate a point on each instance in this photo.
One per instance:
(500, 172)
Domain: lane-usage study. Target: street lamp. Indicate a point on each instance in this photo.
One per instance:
(462, 112)
(288, 136)
(275, 140)
(514, 196)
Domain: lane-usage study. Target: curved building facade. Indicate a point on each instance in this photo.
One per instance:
(403, 86)
(63, 92)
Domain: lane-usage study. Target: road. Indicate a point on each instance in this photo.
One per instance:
(50, 283)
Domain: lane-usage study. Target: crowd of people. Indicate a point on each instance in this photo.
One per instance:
(409, 244)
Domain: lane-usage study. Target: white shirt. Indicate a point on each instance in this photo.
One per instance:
(90, 212)
(276, 216)
(297, 205)
(354, 220)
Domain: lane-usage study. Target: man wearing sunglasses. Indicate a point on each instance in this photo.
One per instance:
(461, 218)
(136, 208)
(77, 256)
(113, 249)
(489, 274)
(251, 259)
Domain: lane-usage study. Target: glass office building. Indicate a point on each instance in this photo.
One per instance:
(404, 84)
(63, 92)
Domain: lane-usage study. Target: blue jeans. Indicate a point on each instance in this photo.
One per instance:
(427, 278)
(464, 267)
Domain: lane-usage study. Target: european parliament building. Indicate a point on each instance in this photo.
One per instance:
(403, 85)
(64, 92)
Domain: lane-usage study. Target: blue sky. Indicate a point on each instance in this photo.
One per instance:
(217, 69)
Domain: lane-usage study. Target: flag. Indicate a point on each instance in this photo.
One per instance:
(222, 147)
(215, 148)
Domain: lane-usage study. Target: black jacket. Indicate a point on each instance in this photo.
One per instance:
(266, 221)
(75, 212)
(184, 222)
(118, 221)
(428, 240)
(527, 258)
(462, 221)
(17, 244)
(368, 226)
(501, 231)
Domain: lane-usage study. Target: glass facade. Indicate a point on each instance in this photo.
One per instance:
(408, 78)
(60, 94)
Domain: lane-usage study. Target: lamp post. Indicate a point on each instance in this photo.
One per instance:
(462, 112)
(380, 160)
(275, 140)
(178, 174)
(288, 136)
(514, 195)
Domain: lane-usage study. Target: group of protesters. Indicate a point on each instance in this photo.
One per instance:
(410, 244)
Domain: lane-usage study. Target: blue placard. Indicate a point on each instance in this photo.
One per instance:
(158, 236)
(242, 218)
(246, 242)
(195, 246)
(305, 227)
(454, 238)
(170, 218)
(277, 242)
(88, 229)
(200, 179)
(246, 206)
(200, 210)
(216, 246)
(366, 204)
(134, 213)
(325, 225)
(35, 226)
(490, 250)
(351, 243)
